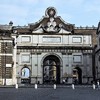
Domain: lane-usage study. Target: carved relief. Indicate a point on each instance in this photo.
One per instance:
(51, 12)
(52, 26)
(51, 23)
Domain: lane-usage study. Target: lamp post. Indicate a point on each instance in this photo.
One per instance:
(37, 65)
(36, 69)
(5, 64)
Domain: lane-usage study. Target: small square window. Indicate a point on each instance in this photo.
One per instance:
(25, 58)
(77, 58)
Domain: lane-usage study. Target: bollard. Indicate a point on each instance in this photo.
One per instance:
(94, 86)
(16, 86)
(55, 86)
(73, 87)
(35, 86)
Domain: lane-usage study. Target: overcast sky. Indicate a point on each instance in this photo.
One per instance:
(22, 12)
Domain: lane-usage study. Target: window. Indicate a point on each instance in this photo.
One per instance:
(77, 40)
(25, 58)
(26, 39)
(77, 58)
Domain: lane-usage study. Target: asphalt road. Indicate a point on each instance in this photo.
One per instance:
(65, 93)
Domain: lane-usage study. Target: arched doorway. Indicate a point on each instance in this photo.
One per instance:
(51, 70)
(77, 72)
(25, 75)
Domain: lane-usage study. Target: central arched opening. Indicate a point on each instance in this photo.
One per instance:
(51, 70)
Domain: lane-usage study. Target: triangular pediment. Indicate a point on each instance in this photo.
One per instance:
(51, 23)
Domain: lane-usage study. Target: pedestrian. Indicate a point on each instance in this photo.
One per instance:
(63, 81)
(98, 84)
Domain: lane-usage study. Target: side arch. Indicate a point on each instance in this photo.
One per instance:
(77, 71)
(25, 74)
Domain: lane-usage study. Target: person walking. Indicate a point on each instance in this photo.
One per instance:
(98, 84)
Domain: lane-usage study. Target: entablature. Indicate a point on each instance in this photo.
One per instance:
(63, 50)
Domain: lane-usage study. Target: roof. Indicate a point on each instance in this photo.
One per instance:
(5, 27)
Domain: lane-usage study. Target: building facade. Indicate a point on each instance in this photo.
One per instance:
(7, 76)
(97, 54)
(53, 51)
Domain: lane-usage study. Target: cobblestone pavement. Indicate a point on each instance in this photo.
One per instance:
(65, 93)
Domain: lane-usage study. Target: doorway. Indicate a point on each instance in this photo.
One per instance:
(78, 73)
(51, 70)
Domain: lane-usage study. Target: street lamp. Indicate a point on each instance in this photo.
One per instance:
(37, 69)
(37, 65)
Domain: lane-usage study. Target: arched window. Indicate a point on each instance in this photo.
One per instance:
(25, 73)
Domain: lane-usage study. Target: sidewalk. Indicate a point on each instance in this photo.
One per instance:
(45, 86)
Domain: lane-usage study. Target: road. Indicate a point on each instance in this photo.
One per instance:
(61, 93)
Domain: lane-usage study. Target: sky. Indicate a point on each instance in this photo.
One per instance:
(78, 12)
